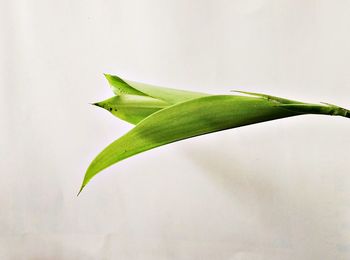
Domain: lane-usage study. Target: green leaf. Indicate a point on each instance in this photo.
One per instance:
(135, 101)
(120, 87)
(197, 117)
(132, 108)
(169, 95)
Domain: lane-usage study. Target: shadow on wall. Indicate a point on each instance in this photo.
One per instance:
(284, 221)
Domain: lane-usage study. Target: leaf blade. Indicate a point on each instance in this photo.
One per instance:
(170, 95)
(207, 115)
(132, 108)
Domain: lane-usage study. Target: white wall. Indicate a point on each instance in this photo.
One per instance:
(277, 190)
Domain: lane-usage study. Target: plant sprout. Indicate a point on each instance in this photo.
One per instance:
(163, 115)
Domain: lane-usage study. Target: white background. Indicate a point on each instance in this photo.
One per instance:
(276, 190)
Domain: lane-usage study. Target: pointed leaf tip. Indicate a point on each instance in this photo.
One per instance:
(120, 86)
(107, 76)
(81, 189)
(96, 104)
